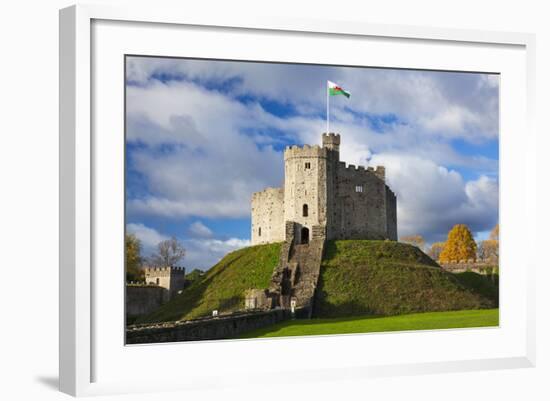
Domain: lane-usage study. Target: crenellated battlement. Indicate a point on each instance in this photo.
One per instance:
(296, 151)
(379, 171)
(267, 192)
(173, 269)
(171, 278)
(331, 138)
(320, 190)
(164, 271)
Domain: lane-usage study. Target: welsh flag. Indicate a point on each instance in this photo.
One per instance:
(334, 89)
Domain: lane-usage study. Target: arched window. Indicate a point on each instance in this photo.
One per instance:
(304, 210)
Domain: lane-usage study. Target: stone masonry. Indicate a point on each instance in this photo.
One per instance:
(349, 202)
(171, 278)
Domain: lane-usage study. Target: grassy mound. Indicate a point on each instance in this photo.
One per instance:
(390, 278)
(372, 324)
(358, 277)
(223, 286)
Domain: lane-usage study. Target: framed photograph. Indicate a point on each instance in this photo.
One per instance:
(330, 199)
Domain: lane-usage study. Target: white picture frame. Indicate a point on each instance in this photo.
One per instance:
(83, 349)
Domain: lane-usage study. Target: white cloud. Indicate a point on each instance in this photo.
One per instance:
(431, 198)
(212, 167)
(462, 105)
(205, 253)
(200, 253)
(198, 229)
(148, 236)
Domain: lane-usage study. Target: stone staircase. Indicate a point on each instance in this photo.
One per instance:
(297, 273)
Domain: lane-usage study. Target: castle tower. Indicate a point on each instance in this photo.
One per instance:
(170, 278)
(305, 190)
(331, 142)
(341, 201)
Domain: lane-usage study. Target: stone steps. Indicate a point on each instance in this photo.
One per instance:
(297, 273)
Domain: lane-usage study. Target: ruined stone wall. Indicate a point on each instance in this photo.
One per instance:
(144, 299)
(212, 328)
(305, 184)
(267, 216)
(360, 210)
(476, 267)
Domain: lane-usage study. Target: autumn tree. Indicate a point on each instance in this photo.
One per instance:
(169, 252)
(134, 260)
(460, 245)
(415, 240)
(435, 250)
(494, 233)
(488, 249)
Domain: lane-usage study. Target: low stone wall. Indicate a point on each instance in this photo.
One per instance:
(477, 267)
(211, 328)
(144, 299)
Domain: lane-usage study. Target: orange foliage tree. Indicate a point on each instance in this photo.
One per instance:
(460, 245)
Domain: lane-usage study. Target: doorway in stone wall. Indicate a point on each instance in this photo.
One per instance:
(304, 236)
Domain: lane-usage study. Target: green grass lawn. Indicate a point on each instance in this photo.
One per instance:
(370, 324)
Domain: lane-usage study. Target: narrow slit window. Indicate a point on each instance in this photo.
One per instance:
(259, 231)
(304, 211)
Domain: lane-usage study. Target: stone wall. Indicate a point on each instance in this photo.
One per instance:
(391, 214)
(360, 208)
(274, 290)
(306, 185)
(477, 267)
(211, 328)
(144, 299)
(267, 216)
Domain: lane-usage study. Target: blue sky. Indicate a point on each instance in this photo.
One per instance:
(203, 135)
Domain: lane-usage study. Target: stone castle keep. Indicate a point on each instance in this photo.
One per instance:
(322, 199)
(345, 202)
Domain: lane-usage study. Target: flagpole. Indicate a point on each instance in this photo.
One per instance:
(326, 89)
